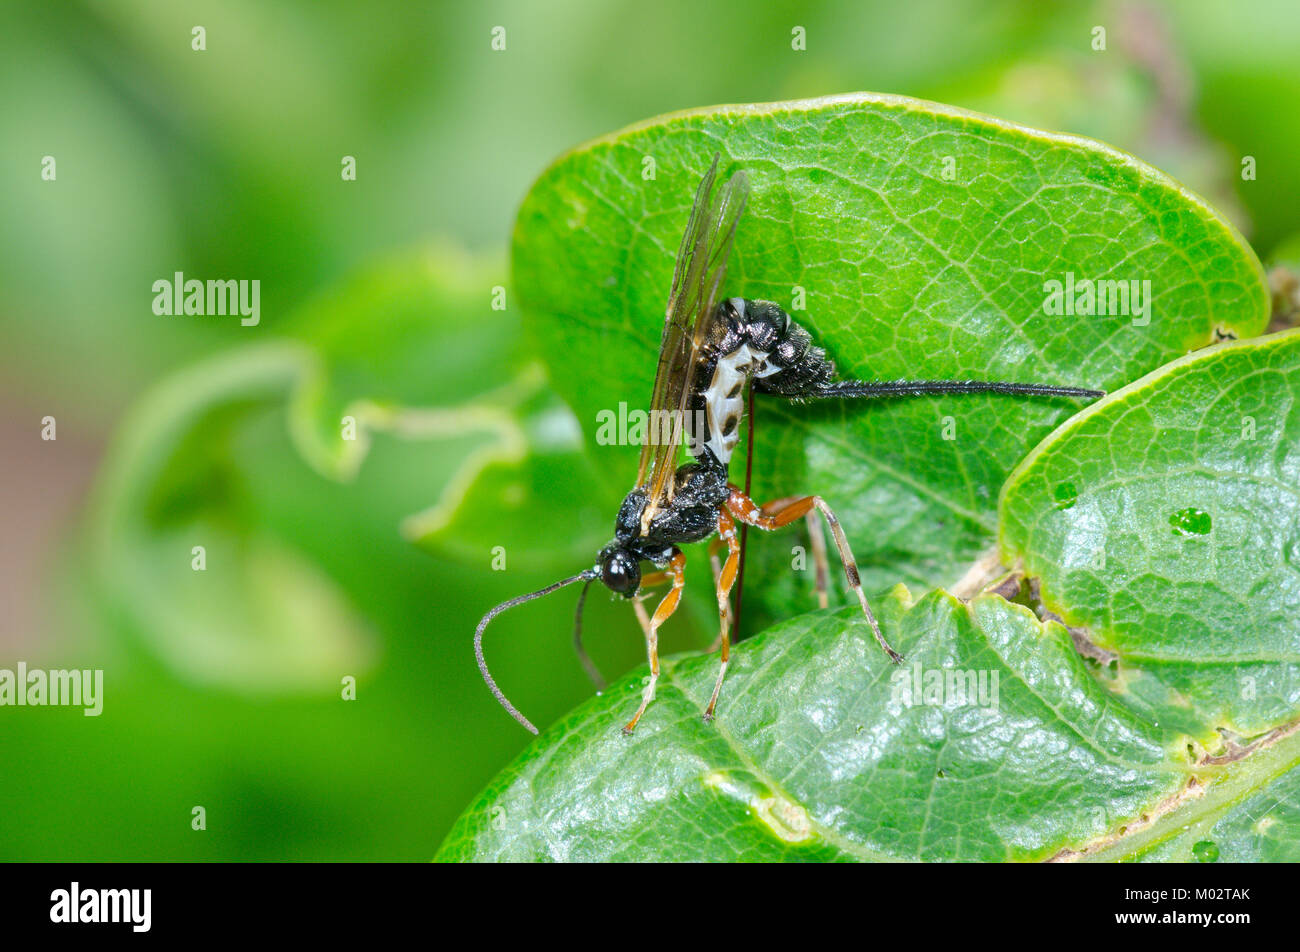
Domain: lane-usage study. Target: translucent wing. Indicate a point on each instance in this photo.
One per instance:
(692, 305)
(678, 333)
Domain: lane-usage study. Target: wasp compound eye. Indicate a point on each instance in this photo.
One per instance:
(620, 573)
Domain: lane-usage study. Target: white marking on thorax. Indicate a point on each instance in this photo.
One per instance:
(724, 398)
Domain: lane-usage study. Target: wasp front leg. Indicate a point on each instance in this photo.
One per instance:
(677, 572)
(745, 509)
(648, 581)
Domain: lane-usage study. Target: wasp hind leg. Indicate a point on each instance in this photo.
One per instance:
(744, 509)
(816, 541)
(723, 580)
(716, 545)
(677, 571)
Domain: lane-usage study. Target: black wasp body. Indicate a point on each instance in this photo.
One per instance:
(711, 350)
(753, 343)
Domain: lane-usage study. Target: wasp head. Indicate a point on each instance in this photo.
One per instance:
(620, 570)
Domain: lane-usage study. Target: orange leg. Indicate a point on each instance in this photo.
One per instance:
(651, 579)
(716, 545)
(726, 577)
(648, 581)
(677, 571)
(817, 542)
(744, 509)
(642, 616)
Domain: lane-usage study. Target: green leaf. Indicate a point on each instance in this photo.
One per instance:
(414, 330)
(997, 739)
(525, 490)
(1171, 733)
(1165, 519)
(823, 750)
(412, 348)
(410, 352)
(921, 237)
(177, 552)
(1263, 826)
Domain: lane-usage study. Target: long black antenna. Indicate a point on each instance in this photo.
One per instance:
(588, 665)
(910, 388)
(478, 640)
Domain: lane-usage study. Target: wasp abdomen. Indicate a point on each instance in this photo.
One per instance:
(754, 340)
(799, 365)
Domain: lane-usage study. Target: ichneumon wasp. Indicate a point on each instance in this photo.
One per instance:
(710, 352)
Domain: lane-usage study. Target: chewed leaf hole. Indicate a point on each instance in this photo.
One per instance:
(1190, 521)
(1065, 495)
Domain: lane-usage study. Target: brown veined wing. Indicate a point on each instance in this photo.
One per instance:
(692, 306)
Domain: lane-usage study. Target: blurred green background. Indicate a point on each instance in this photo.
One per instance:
(369, 559)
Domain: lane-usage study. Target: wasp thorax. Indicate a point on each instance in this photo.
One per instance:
(765, 326)
(620, 571)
